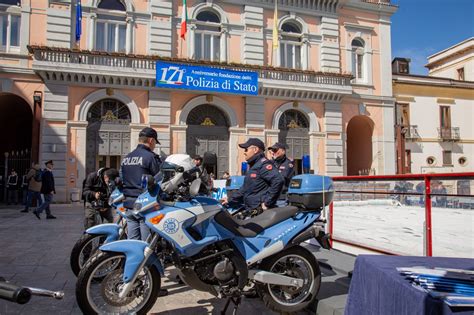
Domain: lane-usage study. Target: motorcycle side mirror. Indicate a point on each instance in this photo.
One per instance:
(194, 188)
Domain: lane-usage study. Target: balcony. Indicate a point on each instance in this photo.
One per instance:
(89, 68)
(410, 132)
(448, 134)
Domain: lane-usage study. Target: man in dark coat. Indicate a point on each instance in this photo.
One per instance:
(96, 194)
(47, 191)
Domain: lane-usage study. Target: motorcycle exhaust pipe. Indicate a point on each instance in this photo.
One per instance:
(14, 293)
(316, 231)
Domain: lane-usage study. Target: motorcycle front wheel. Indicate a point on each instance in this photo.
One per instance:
(295, 262)
(99, 294)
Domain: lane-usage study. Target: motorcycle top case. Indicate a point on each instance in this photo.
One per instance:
(310, 192)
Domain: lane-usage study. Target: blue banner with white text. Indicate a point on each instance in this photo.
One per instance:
(188, 77)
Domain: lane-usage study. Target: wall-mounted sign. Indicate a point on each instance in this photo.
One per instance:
(179, 76)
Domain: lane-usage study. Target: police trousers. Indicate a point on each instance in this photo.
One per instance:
(137, 229)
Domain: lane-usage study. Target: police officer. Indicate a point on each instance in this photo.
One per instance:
(262, 183)
(139, 162)
(284, 165)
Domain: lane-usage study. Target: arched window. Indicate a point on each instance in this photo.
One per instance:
(109, 110)
(358, 59)
(290, 45)
(207, 36)
(10, 25)
(111, 27)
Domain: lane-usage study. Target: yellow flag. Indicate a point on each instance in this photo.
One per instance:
(275, 26)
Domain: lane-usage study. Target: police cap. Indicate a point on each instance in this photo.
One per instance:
(253, 141)
(149, 133)
(277, 146)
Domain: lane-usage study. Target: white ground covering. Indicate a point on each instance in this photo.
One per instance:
(399, 229)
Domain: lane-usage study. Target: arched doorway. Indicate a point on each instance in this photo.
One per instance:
(208, 135)
(294, 129)
(16, 122)
(108, 134)
(359, 145)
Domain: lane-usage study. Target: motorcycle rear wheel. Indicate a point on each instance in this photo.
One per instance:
(294, 262)
(84, 248)
(99, 295)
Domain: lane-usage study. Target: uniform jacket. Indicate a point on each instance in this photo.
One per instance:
(33, 185)
(262, 184)
(47, 182)
(286, 168)
(139, 162)
(12, 182)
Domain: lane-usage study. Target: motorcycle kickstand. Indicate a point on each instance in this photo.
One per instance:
(236, 302)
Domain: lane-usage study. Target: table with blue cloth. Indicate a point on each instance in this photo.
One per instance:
(378, 288)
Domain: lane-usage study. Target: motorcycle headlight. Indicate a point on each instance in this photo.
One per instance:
(137, 206)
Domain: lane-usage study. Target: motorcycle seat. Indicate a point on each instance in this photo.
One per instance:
(257, 224)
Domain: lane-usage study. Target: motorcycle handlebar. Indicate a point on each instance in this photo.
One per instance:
(14, 293)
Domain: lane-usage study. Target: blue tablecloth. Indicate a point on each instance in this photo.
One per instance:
(377, 288)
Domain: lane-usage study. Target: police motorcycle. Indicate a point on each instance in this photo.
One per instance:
(212, 250)
(100, 234)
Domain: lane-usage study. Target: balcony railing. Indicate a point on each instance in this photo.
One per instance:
(146, 64)
(410, 132)
(449, 133)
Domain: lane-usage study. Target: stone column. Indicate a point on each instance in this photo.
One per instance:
(91, 31)
(235, 132)
(129, 35)
(190, 41)
(223, 44)
(178, 138)
(305, 53)
(80, 127)
(134, 131)
(314, 140)
(271, 136)
(334, 145)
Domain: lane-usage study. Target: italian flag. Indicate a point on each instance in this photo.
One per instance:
(184, 21)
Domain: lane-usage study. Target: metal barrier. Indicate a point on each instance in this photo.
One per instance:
(366, 188)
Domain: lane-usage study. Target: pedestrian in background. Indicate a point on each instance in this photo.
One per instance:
(12, 188)
(24, 188)
(34, 187)
(206, 184)
(47, 191)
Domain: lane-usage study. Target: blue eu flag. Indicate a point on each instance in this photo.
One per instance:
(78, 20)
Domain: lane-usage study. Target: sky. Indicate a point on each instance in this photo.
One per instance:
(421, 28)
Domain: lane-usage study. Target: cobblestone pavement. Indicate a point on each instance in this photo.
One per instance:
(36, 253)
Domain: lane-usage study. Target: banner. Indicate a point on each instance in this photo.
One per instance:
(188, 77)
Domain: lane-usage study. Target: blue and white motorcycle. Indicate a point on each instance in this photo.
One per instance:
(212, 250)
(100, 234)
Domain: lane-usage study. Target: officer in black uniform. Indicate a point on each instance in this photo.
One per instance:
(262, 184)
(139, 162)
(284, 165)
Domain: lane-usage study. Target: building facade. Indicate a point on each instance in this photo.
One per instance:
(325, 89)
(435, 112)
